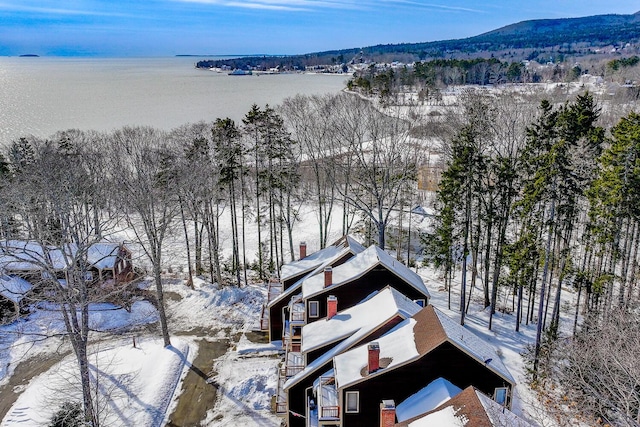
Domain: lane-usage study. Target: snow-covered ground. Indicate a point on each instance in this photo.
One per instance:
(246, 383)
(144, 382)
(136, 384)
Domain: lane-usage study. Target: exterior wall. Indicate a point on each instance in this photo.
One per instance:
(398, 384)
(275, 312)
(286, 284)
(296, 397)
(275, 320)
(350, 294)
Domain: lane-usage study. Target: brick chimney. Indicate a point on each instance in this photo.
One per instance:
(374, 357)
(328, 276)
(332, 306)
(303, 250)
(387, 413)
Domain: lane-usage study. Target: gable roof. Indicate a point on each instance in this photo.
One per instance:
(312, 261)
(358, 266)
(372, 311)
(14, 288)
(433, 395)
(103, 255)
(414, 338)
(20, 255)
(469, 408)
(295, 288)
(352, 325)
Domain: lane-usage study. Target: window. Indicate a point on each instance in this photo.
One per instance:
(420, 302)
(352, 402)
(500, 395)
(314, 309)
(88, 276)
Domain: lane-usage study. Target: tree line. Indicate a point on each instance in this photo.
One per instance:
(536, 204)
(429, 78)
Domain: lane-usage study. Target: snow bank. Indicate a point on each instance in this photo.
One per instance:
(23, 338)
(246, 382)
(135, 385)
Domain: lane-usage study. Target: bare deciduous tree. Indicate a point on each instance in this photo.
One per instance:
(145, 178)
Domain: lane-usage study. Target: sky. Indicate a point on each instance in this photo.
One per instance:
(243, 27)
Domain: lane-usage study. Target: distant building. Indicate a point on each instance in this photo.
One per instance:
(107, 264)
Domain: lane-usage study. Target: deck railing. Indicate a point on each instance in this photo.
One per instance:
(264, 318)
(291, 370)
(281, 408)
(329, 412)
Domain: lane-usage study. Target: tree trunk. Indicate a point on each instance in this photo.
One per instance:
(545, 271)
(186, 240)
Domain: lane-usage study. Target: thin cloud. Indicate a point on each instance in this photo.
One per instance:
(57, 11)
(435, 6)
(283, 5)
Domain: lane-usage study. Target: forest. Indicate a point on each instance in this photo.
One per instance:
(538, 196)
(429, 78)
(574, 38)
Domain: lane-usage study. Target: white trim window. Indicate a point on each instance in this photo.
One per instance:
(352, 402)
(314, 309)
(421, 302)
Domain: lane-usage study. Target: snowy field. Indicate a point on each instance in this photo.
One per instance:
(141, 384)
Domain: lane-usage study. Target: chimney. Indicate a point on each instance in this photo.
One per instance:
(328, 277)
(303, 250)
(332, 306)
(374, 357)
(387, 413)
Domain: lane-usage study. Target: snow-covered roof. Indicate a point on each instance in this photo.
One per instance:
(311, 262)
(14, 288)
(353, 247)
(19, 255)
(446, 416)
(352, 325)
(473, 345)
(469, 408)
(429, 398)
(412, 339)
(398, 346)
(498, 414)
(370, 313)
(357, 267)
(103, 255)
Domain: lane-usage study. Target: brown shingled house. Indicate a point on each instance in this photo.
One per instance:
(470, 407)
(419, 350)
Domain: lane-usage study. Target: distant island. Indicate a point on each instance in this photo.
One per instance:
(29, 55)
